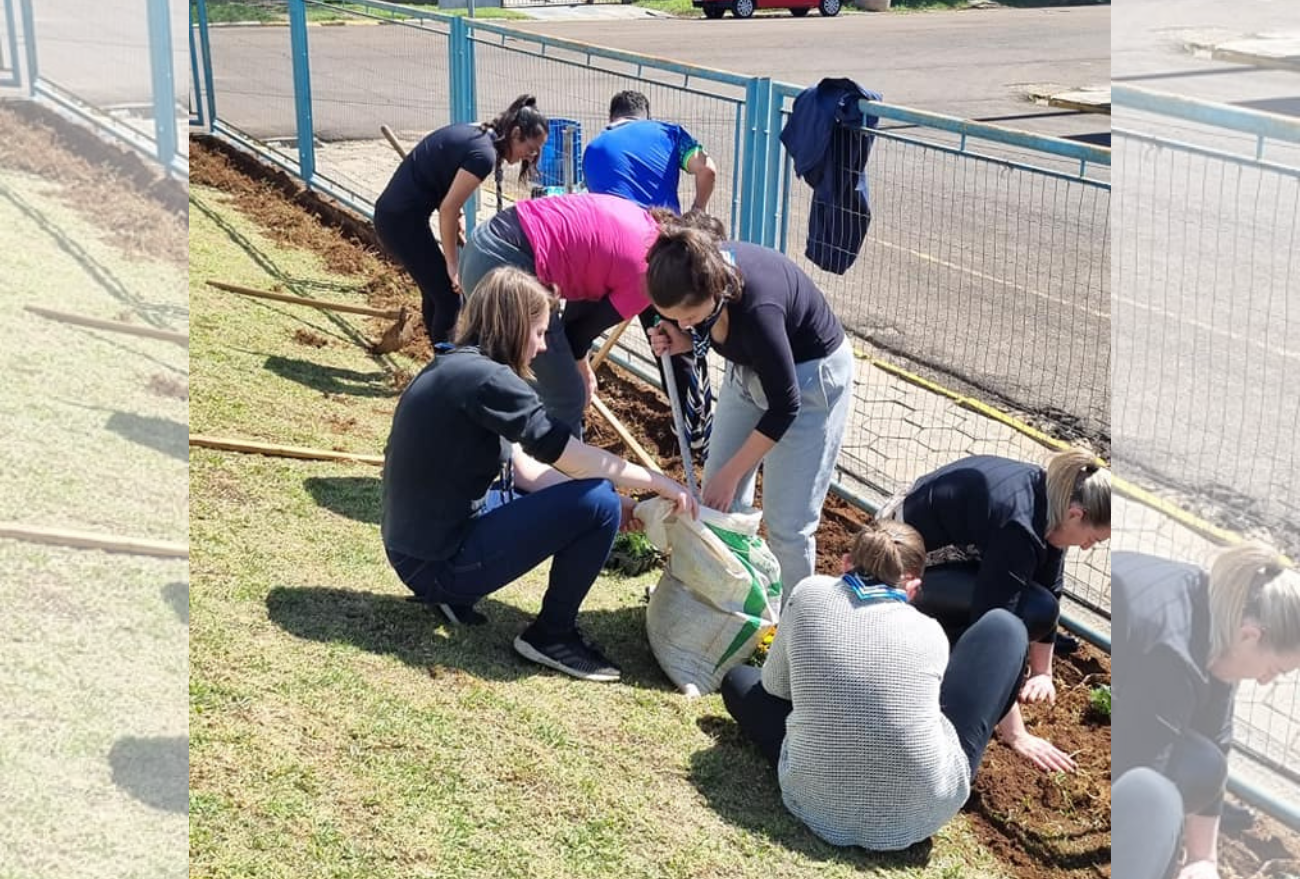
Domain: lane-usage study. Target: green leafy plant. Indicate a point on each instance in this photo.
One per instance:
(1099, 700)
(633, 554)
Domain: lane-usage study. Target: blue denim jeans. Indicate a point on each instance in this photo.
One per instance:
(797, 471)
(573, 522)
(557, 380)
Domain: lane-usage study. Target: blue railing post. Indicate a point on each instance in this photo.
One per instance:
(464, 106)
(205, 50)
(758, 101)
(163, 78)
(29, 40)
(773, 205)
(302, 90)
(11, 56)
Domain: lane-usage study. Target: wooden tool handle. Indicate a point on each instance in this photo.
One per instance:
(278, 451)
(115, 326)
(87, 540)
(392, 140)
(303, 300)
(628, 440)
(609, 344)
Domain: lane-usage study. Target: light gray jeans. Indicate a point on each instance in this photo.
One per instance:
(797, 471)
(558, 382)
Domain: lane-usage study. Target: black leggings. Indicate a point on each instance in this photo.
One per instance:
(949, 594)
(979, 687)
(407, 238)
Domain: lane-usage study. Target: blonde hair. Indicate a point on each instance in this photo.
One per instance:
(1075, 478)
(499, 316)
(1250, 582)
(888, 550)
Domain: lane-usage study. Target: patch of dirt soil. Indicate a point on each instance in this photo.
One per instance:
(139, 209)
(294, 216)
(169, 386)
(309, 338)
(1039, 825)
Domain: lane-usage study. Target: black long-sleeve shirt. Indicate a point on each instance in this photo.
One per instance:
(781, 319)
(999, 506)
(450, 439)
(1160, 644)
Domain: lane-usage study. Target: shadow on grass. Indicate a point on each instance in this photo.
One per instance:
(359, 498)
(742, 788)
(156, 771)
(177, 597)
(160, 434)
(408, 630)
(331, 379)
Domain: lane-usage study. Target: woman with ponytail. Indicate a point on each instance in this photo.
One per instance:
(1181, 642)
(789, 379)
(876, 731)
(440, 174)
(997, 531)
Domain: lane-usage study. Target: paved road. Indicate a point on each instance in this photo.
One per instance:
(1207, 338)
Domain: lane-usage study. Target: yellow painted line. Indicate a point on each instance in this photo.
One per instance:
(1127, 489)
(1048, 297)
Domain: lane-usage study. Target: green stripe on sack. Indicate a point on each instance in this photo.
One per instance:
(755, 600)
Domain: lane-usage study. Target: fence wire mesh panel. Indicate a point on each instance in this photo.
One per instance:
(252, 78)
(987, 275)
(574, 86)
(392, 73)
(1207, 336)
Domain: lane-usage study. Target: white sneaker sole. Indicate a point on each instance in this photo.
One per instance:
(527, 651)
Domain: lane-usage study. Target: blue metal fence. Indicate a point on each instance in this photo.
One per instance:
(10, 74)
(114, 70)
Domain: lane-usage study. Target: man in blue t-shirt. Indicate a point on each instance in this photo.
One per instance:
(641, 159)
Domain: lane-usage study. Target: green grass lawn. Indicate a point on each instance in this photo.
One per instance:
(339, 730)
(92, 749)
(223, 12)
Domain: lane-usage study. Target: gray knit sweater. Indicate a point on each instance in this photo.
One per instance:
(868, 759)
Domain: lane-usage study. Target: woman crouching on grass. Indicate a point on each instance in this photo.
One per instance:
(875, 730)
(481, 485)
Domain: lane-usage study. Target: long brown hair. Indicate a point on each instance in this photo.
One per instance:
(500, 315)
(684, 266)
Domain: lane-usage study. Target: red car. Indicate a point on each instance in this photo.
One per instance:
(746, 8)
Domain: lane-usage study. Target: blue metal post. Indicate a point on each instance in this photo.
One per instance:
(771, 180)
(302, 89)
(164, 81)
(12, 33)
(758, 98)
(29, 40)
(196, 115)
(460, 66)
(205, 45)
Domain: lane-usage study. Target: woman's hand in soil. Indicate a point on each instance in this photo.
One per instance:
(629, 521)
(666, 336)
(1200, 870)
(1038, 688)
(1042, 753)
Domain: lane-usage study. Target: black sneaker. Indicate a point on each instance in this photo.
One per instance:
(568, 653)
(1066, 644)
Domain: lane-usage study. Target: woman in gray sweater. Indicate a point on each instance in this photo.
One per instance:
(874, 729)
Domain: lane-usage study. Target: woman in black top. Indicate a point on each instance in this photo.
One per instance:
(467, 433)
(441, 173)
(997, 531)
(789, 380)
(1181, 642)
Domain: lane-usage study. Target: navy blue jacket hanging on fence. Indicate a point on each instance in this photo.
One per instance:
(825, 138)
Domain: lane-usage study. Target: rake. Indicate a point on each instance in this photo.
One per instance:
(393, 339)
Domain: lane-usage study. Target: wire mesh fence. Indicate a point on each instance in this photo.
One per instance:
(10, 72)
(114, 64)
(574, 84)
(1207, 335)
